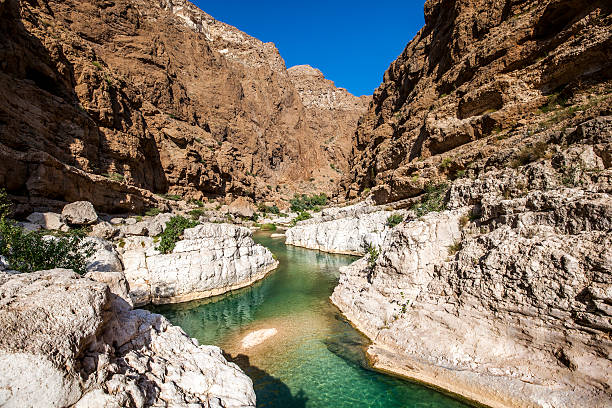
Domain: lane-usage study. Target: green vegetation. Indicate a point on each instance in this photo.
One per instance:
(394, 219)
(172, 197)
(460, 174)
(152, 212)
(454, 248)
(433, 199)
(373, 253)
(300, 203)
(366, 192)
(446, 163)
(115, 176)
(196, 213)
(554, 102)
(96, 64)
(266, 209)
(33, 251)
(199, 203)
(529, 154)
(174, 229)
(138, 218)
(301, 217)
(268, 227)
(464, 220)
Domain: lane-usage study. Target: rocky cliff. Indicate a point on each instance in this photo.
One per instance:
(480, 77)
(114, 102)
(505, 297)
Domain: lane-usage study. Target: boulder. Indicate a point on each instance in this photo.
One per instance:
(242, 207)
(80, 213)
(158, 224)
(47, 220)
(105, 258)
(104, 230)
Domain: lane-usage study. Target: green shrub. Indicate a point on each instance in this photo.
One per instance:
(301, 217)
(304, 202)
(433, 199)
(96, 64)
(446, 163)
(152, 212)
(268, 209)
(115, 177)
(373, 253)
(460, 174)
(394, 219)
(172, 197)
(198, 203)
(268, 227)
(196, 213)
(529, 154)
(33, 251)
(454, 248)
(174, 229)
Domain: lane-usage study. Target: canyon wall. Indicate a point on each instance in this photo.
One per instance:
(478, 76)
(119, 102)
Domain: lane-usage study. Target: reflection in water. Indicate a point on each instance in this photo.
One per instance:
(316, 359)
(270, 391)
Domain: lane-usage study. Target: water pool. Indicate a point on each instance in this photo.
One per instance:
(316, 359)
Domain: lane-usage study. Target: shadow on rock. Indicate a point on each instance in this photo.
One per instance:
(271, 392)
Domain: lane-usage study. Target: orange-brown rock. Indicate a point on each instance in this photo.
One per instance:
(116, 101)
(478, 79)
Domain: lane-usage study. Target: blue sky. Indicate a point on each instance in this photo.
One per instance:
(352, 42)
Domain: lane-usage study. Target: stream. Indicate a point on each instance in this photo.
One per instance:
(315, 359)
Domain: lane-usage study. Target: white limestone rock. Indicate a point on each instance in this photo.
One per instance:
(47, 220)
(105, 258)
(80, 213)
(347, 230)
(510, 308)
(63, 342)
(104, 230)
(210, 260)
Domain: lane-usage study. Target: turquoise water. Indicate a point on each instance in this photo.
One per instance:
(316, 359)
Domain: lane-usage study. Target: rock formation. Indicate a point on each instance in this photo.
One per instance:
(210, 260)
(116, 102)
(505, 297)
(346, 230)
(68, 341)
(478, 78)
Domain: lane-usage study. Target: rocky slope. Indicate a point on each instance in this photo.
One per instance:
(112, 102)
(480, 77)
(69, 341)
(504, 298)
(332, 113)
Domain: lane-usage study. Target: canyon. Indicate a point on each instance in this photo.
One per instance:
(475, 186)
(128, 101)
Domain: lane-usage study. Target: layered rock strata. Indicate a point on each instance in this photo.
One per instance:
(477, 80)
(347, 230)
(211, 259)
(68, 341)
(121, 102)
(506, 297)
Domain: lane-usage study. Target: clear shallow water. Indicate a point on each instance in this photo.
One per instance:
(316, 360)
